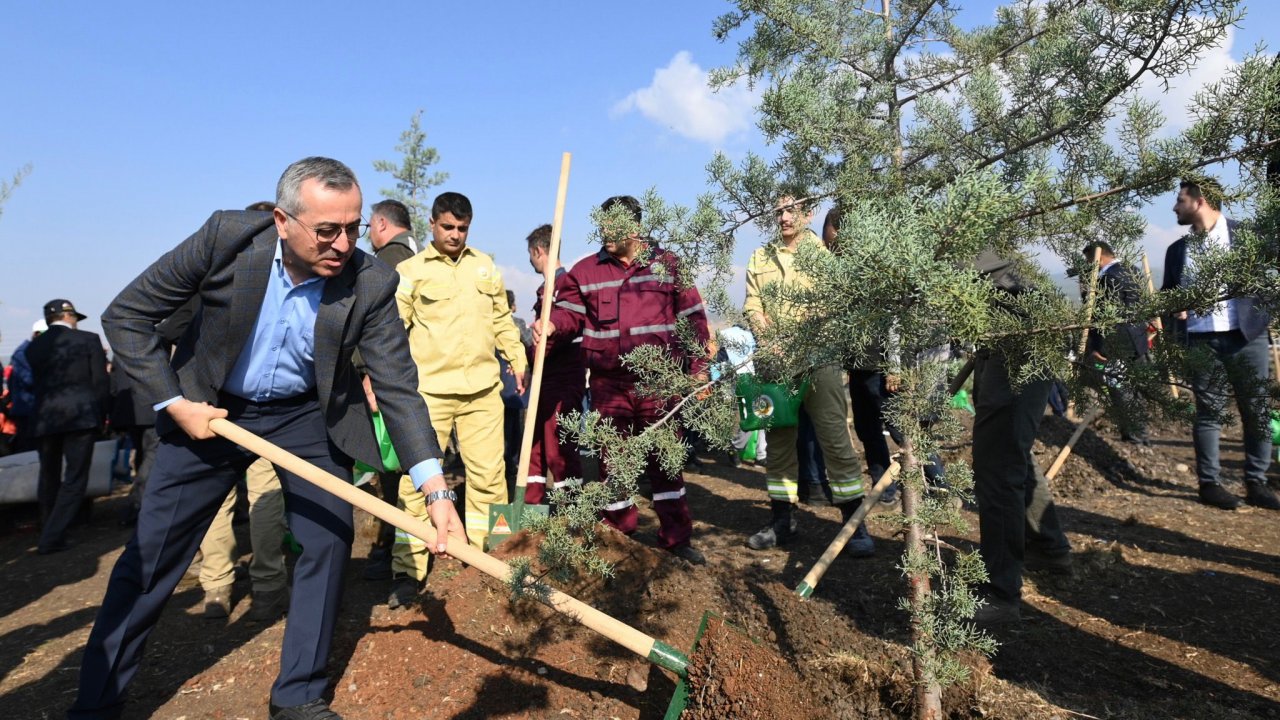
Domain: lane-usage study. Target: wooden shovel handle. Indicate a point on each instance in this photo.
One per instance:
(811, 580)
(612, 628)
(540, 350)
(1065, 452)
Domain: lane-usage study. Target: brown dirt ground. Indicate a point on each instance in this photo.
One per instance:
(1169, 615)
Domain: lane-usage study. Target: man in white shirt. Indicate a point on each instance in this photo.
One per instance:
(1235, 332)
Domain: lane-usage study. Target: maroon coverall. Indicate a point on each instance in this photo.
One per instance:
(617, 308)
(564, 383)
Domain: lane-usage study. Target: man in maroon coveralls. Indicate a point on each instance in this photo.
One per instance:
(618, 303)
(564, 382)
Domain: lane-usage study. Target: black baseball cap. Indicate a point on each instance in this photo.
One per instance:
(56, 308)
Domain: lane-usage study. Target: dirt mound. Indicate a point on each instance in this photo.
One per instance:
(515, 659)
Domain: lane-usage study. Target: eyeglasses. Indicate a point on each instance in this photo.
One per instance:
(329, 232)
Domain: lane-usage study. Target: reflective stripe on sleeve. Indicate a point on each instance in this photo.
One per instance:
(689, 311)
(571, 306)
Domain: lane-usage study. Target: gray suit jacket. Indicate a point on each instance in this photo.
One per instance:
(227, 264)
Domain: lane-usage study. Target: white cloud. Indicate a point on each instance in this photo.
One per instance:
(680, 99)
(1174, 101)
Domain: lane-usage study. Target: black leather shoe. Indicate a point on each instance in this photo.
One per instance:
(1259, 495)
(690, 553)
(57, 547)
(317, 709)
(1211, 493)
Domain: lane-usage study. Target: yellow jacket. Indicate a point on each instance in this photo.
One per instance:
(774, 263)
(457, 315)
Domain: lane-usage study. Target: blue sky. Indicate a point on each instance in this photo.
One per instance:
(140, 119)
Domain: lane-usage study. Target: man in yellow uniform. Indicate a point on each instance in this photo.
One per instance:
(826, 401)
(454, 306)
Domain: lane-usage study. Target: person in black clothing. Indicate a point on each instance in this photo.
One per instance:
(69, 367)
(136, 419)
(1124, 346)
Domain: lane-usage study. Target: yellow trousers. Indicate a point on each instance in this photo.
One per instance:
(266, 534)
(478, 420)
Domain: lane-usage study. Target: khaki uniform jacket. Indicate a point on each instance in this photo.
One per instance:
(457, 315)
(774, 263)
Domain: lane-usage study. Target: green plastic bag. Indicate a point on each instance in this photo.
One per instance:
(768, 405)
(1275, 428)
(961, 401)
(748, 453)
(390, 460)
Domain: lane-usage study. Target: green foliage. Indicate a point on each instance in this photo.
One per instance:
(413, 174)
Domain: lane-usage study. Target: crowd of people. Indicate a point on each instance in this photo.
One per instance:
(273, 318)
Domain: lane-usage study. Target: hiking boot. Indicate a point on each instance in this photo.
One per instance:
(1059, 564)
(860, 545)
(378, 567)
(404, 592)
(1259, 495)
(1212, 493)
(769, 537)
(690, 553)
(317, 709)
(268, 605)
(994, 613)
(890, 495)
(217, 603)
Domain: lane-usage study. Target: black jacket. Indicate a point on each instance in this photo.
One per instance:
(1253, 320)
(70, 371)
(1119, 283)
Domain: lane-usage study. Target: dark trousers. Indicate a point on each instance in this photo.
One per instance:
(61, 493)
(813, 468)
(1244, 365)
(867, 396)
(1015, 509)
(187, 486)
(146, 442)
(615, 398)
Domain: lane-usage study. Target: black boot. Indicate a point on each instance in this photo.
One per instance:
(848, 509)
(779, 531)
(860, 545)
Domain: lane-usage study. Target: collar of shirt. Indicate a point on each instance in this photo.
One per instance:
(278, 359)
(63, 324)
(1103, 270)
(1218, 234)
(431, 253)
(654, 251)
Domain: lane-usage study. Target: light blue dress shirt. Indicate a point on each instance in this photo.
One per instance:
(278, 360)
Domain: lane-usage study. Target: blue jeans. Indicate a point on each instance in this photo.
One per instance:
(1242, 364)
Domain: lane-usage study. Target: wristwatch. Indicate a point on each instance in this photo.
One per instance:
(449, 495)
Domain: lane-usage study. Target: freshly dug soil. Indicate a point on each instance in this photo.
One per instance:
(1167, 616)
(733, 678)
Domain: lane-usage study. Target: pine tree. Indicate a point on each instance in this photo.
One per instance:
(7, 187)
(939, 142)
(413, 174)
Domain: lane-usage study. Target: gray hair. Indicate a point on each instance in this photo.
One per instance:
(331, 174)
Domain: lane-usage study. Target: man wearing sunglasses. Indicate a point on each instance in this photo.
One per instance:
(285, 300)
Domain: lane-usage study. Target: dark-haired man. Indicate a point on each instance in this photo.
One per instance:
(285, 297)
(625, 296)
(453, 301)
(1235, 334)
(73, 397)
(391, 233)
(564, 379)
(1124, 345)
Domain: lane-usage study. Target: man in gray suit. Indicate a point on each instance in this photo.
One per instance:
(285, 298)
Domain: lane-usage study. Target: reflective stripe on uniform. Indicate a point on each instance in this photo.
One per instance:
(783, 489)
(478, 520)
(405, 538)
(601, 334)
(597, 286)
(689, 311)
(623, 505)
(571, 482)
(651, 278)
(644, 329)
(671, 495)
(536, 479)
(842, 490)
(572, 306)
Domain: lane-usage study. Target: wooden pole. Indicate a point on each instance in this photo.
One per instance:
(1151, 288)
(630, 638)
(1065, 452)
(811, 580)
(540, 351)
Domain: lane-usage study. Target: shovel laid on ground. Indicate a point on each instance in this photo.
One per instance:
(653, 650)
(507, 519)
